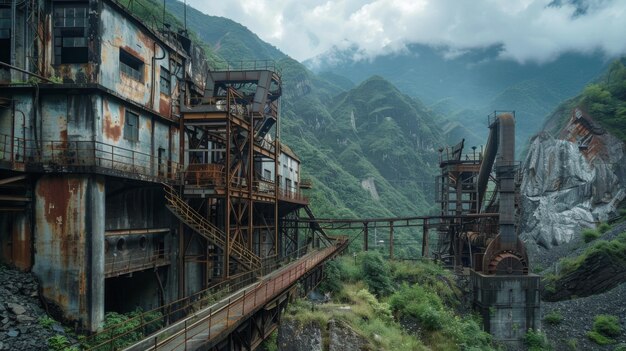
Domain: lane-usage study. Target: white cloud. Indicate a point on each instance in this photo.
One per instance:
(527, 30)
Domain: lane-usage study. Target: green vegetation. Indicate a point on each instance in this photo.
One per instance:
(537, 341)
(590, 235)
(553, 318)
(604, 227)
(420, 294)
(605, 101)
(60, 343)
(614, 249)
(376, 273)
(46, 322)
(605, 328)
(125, 329)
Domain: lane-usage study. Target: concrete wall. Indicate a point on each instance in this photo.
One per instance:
(121, 33)
(69, 243)
(509, 304)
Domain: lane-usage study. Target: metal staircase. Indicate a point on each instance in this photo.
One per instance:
(202, 226)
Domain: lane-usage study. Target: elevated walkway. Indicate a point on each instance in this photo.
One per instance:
(207, 327)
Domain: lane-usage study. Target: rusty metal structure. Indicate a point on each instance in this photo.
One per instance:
(504, 293)
(132, 173)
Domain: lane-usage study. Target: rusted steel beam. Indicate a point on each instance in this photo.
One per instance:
(14, 198)
(12, 179)
(135, 231)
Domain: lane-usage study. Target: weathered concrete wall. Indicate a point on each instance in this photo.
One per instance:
(508, 304)
(120, 32)
(69, 242)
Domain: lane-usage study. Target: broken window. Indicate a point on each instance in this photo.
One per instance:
(131, 66)
(165, 82)
(131, 127)
(5, 35)
(70, 32)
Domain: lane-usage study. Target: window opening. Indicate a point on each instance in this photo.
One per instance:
(131, 66)
(131, 127)
(165, 82)
(70, 33)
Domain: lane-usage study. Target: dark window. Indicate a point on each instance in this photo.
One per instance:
(70, 33)
(5, 35)
(166, 81)
(131, 127)
(267, 174)
(131, 66)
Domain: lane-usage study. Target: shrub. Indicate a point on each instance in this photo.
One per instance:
(416, 302)
(376, 274)
(599, 338)
(60, 343)
(607, 325)
(536, 341)
(332, 277)
(604, 328)
(590, 235)
(46, 322)
(553, 318)
(603, 228)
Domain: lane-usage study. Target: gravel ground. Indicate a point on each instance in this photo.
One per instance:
(578, 314)
(578, 317)
(20, 313)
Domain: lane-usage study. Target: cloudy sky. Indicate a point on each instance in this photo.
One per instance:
(528, 30)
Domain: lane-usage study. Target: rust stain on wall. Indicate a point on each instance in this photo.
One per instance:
(164, 106)
(21, 246)
(57, 195)
(111, 130)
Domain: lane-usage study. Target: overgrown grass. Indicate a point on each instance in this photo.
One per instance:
(605, 328)
(537, 341)
(590, 235)
(553, 318)
(418, 293)
(615, 249)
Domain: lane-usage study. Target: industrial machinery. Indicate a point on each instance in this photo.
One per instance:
(478, 184)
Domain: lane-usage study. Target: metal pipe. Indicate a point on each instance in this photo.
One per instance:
(25, 71)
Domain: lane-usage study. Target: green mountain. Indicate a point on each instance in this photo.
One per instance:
(468, 87)
(378, 166)
(229, 39)
(604, 100)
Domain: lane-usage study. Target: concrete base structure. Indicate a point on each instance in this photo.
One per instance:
(508, 304)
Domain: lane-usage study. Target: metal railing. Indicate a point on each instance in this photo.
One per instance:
(112, 338)
(209, 325)
(289, 195)
(86, 153)
(249, 65)
(117, 264)
(202, 226)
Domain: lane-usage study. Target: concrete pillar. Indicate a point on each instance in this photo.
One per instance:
(69, 242)
(508, 304)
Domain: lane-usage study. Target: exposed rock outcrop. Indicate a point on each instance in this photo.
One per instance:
(344, 338)
(293, 336)
(570, 183)
(21, 325)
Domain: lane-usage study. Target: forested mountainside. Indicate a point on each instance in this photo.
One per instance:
(465, 88)
(356, 171)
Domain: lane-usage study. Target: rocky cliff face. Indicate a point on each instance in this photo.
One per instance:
(572, 181)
